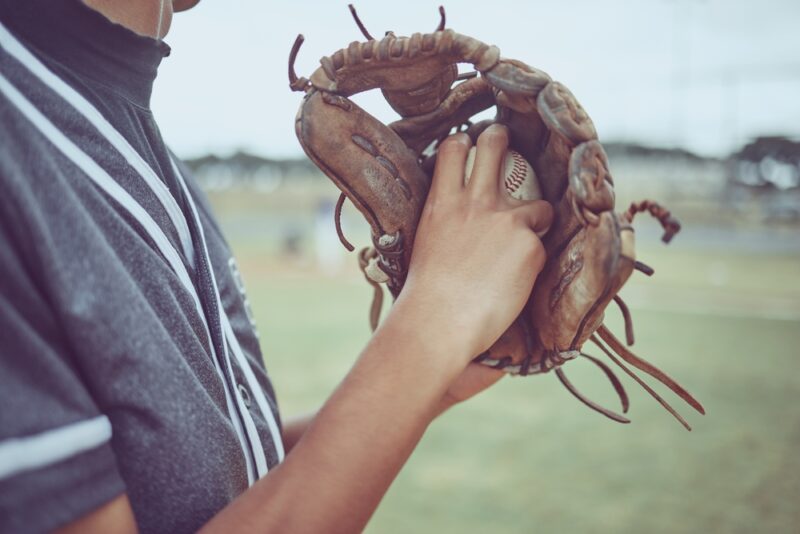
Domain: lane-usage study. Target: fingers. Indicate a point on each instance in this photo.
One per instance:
(537, 214)
(489, 158)
(451, 157)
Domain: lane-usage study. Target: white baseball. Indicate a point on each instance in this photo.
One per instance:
(518, 176)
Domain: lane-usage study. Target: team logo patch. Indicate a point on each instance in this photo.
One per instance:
(237, 279)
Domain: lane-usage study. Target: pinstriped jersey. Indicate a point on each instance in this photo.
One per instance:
(128, 362)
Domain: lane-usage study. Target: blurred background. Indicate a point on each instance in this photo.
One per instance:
(697, 104)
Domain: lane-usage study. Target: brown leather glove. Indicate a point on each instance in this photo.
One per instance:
(386, 171)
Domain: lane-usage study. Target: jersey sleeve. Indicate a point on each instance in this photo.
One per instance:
(56, 460)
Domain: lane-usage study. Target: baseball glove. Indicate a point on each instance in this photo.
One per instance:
(385, 171)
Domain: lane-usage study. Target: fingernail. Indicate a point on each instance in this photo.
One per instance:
(461, 137)
(497, 126)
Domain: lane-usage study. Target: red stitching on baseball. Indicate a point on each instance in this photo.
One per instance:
(517, 174)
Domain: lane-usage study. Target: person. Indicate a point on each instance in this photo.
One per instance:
(133, 396)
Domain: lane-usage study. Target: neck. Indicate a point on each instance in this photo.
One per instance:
(150, 18)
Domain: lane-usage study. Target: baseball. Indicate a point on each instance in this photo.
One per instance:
(518, 176)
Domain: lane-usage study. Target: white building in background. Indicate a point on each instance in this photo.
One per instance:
(327, 248)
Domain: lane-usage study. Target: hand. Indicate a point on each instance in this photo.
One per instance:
(476, 253)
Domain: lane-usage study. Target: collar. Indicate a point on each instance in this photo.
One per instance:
(88, 44)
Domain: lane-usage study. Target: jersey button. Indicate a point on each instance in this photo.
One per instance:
(244, 394)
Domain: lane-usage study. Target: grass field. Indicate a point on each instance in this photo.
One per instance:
(526, 456)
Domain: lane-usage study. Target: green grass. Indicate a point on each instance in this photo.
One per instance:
(527, 457)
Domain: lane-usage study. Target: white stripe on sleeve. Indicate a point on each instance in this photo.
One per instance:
(40, 450)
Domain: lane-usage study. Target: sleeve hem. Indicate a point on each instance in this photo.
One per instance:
(45, 499)
(33, 452)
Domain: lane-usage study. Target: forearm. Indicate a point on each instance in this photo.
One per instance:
(473, 380)
(348, 456)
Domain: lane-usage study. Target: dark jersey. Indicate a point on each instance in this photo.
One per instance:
(128, 359)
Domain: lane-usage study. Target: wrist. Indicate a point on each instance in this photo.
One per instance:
(421, 320)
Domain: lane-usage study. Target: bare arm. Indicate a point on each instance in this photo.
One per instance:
(474, 379)
(114, 517)
(356, 444)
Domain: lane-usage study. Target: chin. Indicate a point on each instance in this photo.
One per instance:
(183, 5)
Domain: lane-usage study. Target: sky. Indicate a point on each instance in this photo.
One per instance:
(704, 75)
